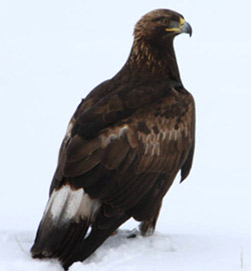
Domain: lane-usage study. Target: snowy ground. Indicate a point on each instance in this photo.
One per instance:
(52, 53)
(161, 251)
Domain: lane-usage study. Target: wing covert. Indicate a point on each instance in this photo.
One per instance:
(155, 140)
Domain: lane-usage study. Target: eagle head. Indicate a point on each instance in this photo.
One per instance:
(160, 25)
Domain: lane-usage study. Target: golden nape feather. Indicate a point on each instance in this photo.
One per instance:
(124, 146)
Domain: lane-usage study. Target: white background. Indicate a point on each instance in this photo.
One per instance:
(52, 53)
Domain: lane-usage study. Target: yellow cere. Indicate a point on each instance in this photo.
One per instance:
(182, 22)
(177, 29)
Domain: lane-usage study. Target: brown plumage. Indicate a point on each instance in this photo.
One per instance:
(124, 146)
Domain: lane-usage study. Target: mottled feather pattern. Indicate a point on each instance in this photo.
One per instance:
(162, 136)
(124, 145)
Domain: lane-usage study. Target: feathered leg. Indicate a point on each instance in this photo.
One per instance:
(147, 227)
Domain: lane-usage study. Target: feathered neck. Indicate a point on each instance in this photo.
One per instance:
(151, 60)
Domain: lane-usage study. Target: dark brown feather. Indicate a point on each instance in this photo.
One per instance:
(80, 149)
(124, 146)
(74, 169)
(114, 154)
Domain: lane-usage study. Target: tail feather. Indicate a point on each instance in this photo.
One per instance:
(77, 231)
(85, 247)
(48, 240)
(62, 232)
(66, 219)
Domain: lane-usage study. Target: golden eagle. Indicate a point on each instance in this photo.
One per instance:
(124, 146)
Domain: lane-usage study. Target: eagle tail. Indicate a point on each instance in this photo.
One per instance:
(101, 230)
(67, 217)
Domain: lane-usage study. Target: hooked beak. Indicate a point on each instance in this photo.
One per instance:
(185, 27)
(181, 27)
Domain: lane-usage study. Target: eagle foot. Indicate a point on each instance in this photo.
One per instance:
(133, 234)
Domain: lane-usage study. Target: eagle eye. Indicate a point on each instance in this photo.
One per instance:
(164, 21)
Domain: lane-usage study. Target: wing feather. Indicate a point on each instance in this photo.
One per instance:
(123, 162)
(74, 169)
(80, 149)
(114, 154)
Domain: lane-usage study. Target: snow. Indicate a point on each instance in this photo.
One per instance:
(52, 53)
(186, 252)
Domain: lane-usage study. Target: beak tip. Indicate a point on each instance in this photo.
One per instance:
(188, 29)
